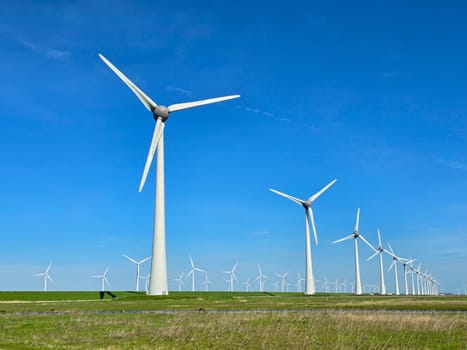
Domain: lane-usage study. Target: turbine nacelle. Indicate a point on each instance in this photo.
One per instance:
(161, 112)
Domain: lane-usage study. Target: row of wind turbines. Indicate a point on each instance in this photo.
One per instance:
(158, 284)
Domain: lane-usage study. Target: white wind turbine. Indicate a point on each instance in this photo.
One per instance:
(137, 263)
(282, 277)
(104, 278)
(192, 273)
(355, 235)
(180, 282)
(146, 279)
(232, 277)
(380, 250)
(261, 279)
(158, 283)
(247, 285)
(309, 283)
(299, 283)
(206, 281)
(46, 276)
(395, 258)
(405, 263)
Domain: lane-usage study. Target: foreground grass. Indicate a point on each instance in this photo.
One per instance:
(239, 330)
(80, 320)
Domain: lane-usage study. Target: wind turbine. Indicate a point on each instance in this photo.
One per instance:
(406, 262)
(206, 282)
(282, 277)
(299, 282)
(137, 263)
(394, 263)
(180, 282)
(232, 277)
(355, 235)
(380, 250)
(247, 285)
(261, 279)
(192, 273)
(158, 283)
(104, 278)
(146, 279)
(310, 288)
(46, 276)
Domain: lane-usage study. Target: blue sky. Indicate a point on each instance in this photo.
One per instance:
(371, 93)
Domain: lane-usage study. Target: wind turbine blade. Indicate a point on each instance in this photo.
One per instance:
(106, 270)
(310, 216)
(48, 267)
(105, 280)
(38, 274)
(392, 251)
(131, 259)
(319, 193)
(145, 259)
(358, 219)
(368, 243)
(292, 198)
(146, 100)
(156, 136)
(379, 238)
(189, 274)
(392, 264)
(343, 239)
(180, 106)
(191, 262)
(50, 279)
(235, 266)
(371, 257)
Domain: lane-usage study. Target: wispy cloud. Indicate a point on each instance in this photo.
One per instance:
(265, 113)
(48, 52)
(57, 54)
(180, 90)
(260, 232)
(453, 164)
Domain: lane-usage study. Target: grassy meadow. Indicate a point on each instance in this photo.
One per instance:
(221, 320)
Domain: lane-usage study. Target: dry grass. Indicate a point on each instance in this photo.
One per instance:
(242, 330)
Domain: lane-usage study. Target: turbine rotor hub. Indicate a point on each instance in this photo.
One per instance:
(161, 112)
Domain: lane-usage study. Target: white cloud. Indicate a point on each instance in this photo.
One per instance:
(180, 90)
(453, 164)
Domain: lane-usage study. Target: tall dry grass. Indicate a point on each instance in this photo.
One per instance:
(247, 330)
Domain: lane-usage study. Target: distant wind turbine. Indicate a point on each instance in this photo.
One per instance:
(46, 276)
(380, 250)
(299, 283)
(261, 279)
(282, 277)
(192, 274)
(206, 281)
(137, 263)
(103, 278)
(355, 235)
(247, 285)
(405, 263)
(309, 283)
(180, 282)
(232, 277)
(158, 283)
(395, 258)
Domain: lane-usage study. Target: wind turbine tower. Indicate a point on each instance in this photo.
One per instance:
(158, 282)
(379, 251)
(355, 235)
(310, 288)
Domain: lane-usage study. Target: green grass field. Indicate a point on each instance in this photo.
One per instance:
(80, 320)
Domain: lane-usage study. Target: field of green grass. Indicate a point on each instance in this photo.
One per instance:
(221, 320)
